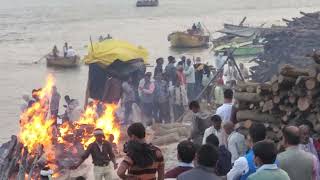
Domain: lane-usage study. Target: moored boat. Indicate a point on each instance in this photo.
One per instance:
(146, 3)
(188, 40)
(60, 61)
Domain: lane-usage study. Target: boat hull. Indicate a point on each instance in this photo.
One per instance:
(185, 40)
(147, 3)
(63, 61)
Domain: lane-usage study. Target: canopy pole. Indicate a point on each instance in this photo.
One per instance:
(91, 44)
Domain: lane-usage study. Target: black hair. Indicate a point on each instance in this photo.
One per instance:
(137, 129)
(266, 151)
(216, 118)
(186, 151)
(213, 140)
(80, 178)
(292, 137)
(158, 60)
(171, 59)
(207, 155)
(228, 94)
(257, 132)
(194, 104)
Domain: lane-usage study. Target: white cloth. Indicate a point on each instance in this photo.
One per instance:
(224, 111)
(212, 130)
(104, 172)
(230, 74)
(309, 147)
(240, 167)
(236, 145)
(220, 59)
(71, 52)
(190, 75)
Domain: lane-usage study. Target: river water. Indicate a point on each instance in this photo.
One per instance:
(29, 29)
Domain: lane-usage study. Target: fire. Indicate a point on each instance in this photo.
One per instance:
(38, 131)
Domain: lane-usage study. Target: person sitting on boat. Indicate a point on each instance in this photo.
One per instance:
(199, 27)
(101, 38)
(71, 52)
(194, 27)
(65, 49)
(109, 37)
(55, 51)
(244, 71)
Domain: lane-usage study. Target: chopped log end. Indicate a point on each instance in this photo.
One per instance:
(303, 103)
(275, 87)
(311, 84)
(276, 99)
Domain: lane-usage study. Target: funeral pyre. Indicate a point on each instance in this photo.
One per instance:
(42, 143)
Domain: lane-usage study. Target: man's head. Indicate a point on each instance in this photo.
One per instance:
(147, 76)
(99, 135)
(216, 121)
(67, 99)
(291, 136)
(194, 106)
(186, 151)
(228, 127)
(189, 62)
(265, 152)
(198, 60)
(304, 134)
(228, 95)
(111, 138)
(257, 132)
(159, 61)
(54, 89)
(207, 156)
(136, 131)
(183, 59)
(171, 59)
(213, 140)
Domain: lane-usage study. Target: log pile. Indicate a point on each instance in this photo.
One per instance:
(287, 45)
(291, 97)
(165, 134)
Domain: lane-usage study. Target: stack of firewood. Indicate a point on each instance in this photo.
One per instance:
(287, 45)
(291, 97)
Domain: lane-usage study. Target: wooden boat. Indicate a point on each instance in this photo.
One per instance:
(188, 40)
(59, 61)
(242, 49)
(147, 3)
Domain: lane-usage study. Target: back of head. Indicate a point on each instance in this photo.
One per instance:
(266, 151)
(291, 135)
(213, 140)
(194, 105)
(257, 132)
(80, 178)
(207, 156)
(186, 151)
(228, 94)
(171, 59)
(137, 129)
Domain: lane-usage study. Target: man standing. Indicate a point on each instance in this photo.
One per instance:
(297, 163)
(225, 110)
(161, 100)
(206, 159)
(236, 142)
(147, 98)
(244, 71)
(112, 90)
(265, 154)
(54, 103)
(102, 153)
(214, 129)
(306, 142)
(142, 160)
(128, 98)
(158, 70)
(231, 75)
(71, 52)
(198, 76)
(171, 70)
(186, 154)
(244, 166)
(190, 79)
(199, 124)
(65, 49)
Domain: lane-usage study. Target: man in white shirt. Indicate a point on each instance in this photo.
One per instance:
(214, 129)
(236, 142)
(231, 75)
(306, 142)
(71, 52)
(225, 110)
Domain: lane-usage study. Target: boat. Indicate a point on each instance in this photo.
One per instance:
(60, 61)
(188, 40)
(242, 49)
(147, 3)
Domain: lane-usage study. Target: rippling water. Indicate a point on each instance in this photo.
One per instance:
(29, 29)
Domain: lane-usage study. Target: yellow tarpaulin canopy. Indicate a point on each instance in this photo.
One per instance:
(107, 51)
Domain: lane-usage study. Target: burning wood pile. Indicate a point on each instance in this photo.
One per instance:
(292, 96)
(42, 144)
(287, 45)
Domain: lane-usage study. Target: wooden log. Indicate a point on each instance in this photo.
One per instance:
(247, 97)
(288, 70)
(267, 106)
(292, 99)
(286, 80)
(311, 83)
(167, 139)
(244, 115)
(264, 89)
(182, 131)
(275, 87)
(318, 77)
(276, 99)
(303, 103)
